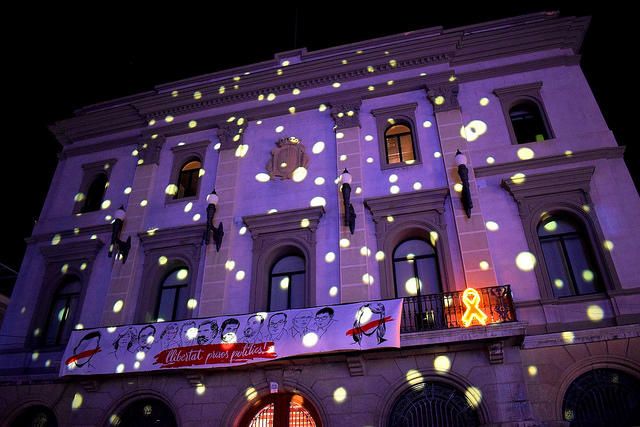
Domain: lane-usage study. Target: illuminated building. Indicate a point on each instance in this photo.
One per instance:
(547, 236)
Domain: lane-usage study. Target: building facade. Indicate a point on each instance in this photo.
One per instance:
(475, 158)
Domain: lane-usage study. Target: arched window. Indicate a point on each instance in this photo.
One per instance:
(146, 412)
(188, 179)
(415, 269)
(63, 311)
(287, 283)
(603, 397)
(528, 122)
(172, 296)
(95, 193)
(35, 416)
(282, 409)
(399, 143)
(568, 256)
(433, 404)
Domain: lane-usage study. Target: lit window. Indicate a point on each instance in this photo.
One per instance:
(188, 179)
(399, 143)
(527, 122)
(172, 297)
(287, 282)
(415, 269)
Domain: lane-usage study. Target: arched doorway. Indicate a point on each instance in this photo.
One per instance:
(432, 404)
(603, 397)
(35, 416)
(281, 410)
(145, 412)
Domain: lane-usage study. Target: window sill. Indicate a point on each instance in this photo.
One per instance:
(172, 201)
(575, 298)
(400, 165)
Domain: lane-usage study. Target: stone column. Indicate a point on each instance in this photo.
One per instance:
(125, 278)
(217, 279)
(471, 232)
(355, 276)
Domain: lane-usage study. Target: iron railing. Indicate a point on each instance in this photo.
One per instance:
(445, 311)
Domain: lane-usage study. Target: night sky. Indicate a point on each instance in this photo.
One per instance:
(61, 60)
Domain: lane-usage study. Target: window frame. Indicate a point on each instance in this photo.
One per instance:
(70, 320)
(565, 191)
(402, 114)
(176, 266)
(183, 154)
(90, 172)
(394, 260)
(512, 95)
(275, 236)
(289, 275)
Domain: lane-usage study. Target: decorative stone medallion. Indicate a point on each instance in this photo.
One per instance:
(289, 155)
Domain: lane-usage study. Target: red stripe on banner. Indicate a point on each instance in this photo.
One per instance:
(86, 353)
(368, 326)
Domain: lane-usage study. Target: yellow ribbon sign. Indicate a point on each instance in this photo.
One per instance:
(471, 300)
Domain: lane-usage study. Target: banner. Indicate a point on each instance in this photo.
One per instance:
(233, 340)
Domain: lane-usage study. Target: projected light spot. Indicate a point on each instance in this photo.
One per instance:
(379, 256)
(484, 265)
(525, 261)
(188, 207)
(222, 89)
(367, 279)
(56, 239)
(47, 363)
(296, 91)
(120, 368)
(64, 269)
(336, 85)
(474, 130)
(292, 110)
(168, 119)
(340, 135)
(318, 201)
(369, 160)
(271, 97)
(200, 389)
(484, 102)
(162, 260)
(370, 69)
(412, 285)
(127, 190)
(533, 370)
(182, 274)
(551, 226)
(417, 186)
(192, 333)
(457, 187)
(595, 313)
(284, 283)
(299, 174)
(344, 243)
(333, 291)
(427, 124)
(393, 178)
(568, 153)
(322, 108)
(171, 190)
(240, 275)
(439, 100)
(415, 379)
(390, 218)
(437, 154)
(368, 138)
(76, 403)
(140, 161)
(318, 147)
(310, 339)
(393, 63)
(272, 211)
(330, 257)
(93, 237)
(117, 307)
(140, 356)
(558, 283)
(608, 245)
(390, 83)
(492, 226)
(35, 356)
(319, 181)
(304, 223)
(192, 124)
(525, 153)
(79, 197)
(279, 129)
(518, 178)
(340, 395)
(568, 337)
(152, 122)
(365, 251)
(433, 236)
(473, 396)
(242, 230)
(394, 189)
(371, 88)
(250, 393)
(242, 150)
(263, 177)
(230, 265)
(196, 217)
(586, 208)
(490, 160)
(197, 95)
(192, 303)
(442, 364)
(105, 204)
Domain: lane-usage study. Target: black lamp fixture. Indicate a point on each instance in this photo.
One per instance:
(463, 172)
(218, 232)
(349, 211)
(118, 246)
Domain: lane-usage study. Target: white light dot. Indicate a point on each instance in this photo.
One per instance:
(76, 403)
(240, 275)
(490, 160)
(310, 339)
(318, 147)
(192, 303)
(188, 207)
(484, 265)
(318, 201)
(525, 153)
(379, 256)
(318, 181)
(339, 135)
(344, 243)
(200, 389)
(437, 154)
(196, 217)
(330, 257)
(367, 279)
(368, 138)
(120, 368)
(333, 291)
(242, 230)
(442, 364)
(230, 265)
(117, 306)
(394, 189)
(336, 85)
(182, 274)
(393, 178)
(417, 185)
(526, 261)
(370, 160)
(263, 177)
(299, 174)
(192, 124)
(492, 226)
(340, 395)
(484, 102)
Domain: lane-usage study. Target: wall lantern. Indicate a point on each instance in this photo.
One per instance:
(463, 172)
(118, 246)
(349, 211)
(218, 232)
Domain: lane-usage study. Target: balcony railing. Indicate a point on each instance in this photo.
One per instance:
(445, 311)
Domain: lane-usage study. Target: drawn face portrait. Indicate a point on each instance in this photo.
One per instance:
(302, 319)
(213, 330)
(323, 319)
(229, 330)
(86, 348)
(204, 333)
(276, 324)
(254, 324)
(146, 336)
(170, 332)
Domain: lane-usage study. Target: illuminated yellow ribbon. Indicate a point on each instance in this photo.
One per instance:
(471, 300)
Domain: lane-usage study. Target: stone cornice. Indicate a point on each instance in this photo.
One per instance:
(190, 146)
(407, 203)
(550, 183)
(543, 162)
(346, 114)
(578, 337)
(68, 234)
(86, 249)
(170, 237)
(508, 37)
(396, 109)
(279, 222)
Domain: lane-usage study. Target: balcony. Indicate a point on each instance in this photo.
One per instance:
(446, 310)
